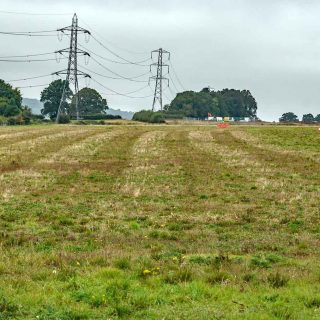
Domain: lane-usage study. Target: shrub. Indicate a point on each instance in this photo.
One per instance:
(157, 118)
(11, 121)
(63, 118)
(149, 116)
(3, 120)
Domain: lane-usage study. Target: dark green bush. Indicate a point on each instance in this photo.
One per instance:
(64, 119)
(149, 116)
(11, 121)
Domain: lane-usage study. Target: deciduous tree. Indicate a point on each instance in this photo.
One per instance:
(289, 117)
(308, 118)
(90, 102)
(51, 97)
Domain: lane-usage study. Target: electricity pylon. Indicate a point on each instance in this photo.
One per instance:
(159, 78)
(72, 71)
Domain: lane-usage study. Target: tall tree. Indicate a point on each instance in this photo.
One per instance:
(308, 118)
(250, 103)
(317, 118)
(289, 117)
(90, 102)
(51, 97)
(10, 100)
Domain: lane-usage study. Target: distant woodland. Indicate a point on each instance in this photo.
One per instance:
(224, 103)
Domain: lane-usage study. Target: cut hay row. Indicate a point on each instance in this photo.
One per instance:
(250, 139)
(17, 136)
(84, 150)
(146, 154)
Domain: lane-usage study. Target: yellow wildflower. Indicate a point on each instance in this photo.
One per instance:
(146, 272)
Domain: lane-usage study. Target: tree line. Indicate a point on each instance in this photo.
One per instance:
(92, 106)
(11, 109)
(223, 103)
(290, 117)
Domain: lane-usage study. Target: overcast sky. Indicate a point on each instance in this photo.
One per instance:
(271, 47)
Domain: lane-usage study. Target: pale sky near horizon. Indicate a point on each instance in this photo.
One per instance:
(271, 48)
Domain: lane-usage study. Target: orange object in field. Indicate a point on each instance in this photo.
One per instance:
(223, 125)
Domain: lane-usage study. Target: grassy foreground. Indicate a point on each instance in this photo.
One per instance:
(159, 222)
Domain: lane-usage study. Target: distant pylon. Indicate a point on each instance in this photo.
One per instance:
(72, 72)
(159, 78)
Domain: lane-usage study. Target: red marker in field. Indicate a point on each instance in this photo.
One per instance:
(223, 125)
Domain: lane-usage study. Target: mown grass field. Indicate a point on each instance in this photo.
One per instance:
(159, 222)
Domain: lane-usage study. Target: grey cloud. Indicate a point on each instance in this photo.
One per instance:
(269, 47)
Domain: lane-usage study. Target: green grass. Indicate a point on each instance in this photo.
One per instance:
(159, 222)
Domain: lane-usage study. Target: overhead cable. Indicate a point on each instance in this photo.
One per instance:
(34, 86)
(121, 94)
(175, 74)
(30, 78)
(35, 13)
(133, 79)
(112, 44)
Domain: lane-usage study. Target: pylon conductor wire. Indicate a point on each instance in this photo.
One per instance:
(159, 78)
(72, 71)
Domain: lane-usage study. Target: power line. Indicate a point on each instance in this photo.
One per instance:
(122, 94)
(34, 86)
(173, 83)
(112, 52)
(166, 96)
(28, 55)
(28, 60)
(131, 92)
(28, 34)
(112, 44)
(41, 31)
(30, 78)
(34, 13)
(172, 92)
(175, 74)
(137, 63)
(133, 79)
(103, 75)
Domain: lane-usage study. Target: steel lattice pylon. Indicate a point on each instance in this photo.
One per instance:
(159, 78)
(72, 72)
